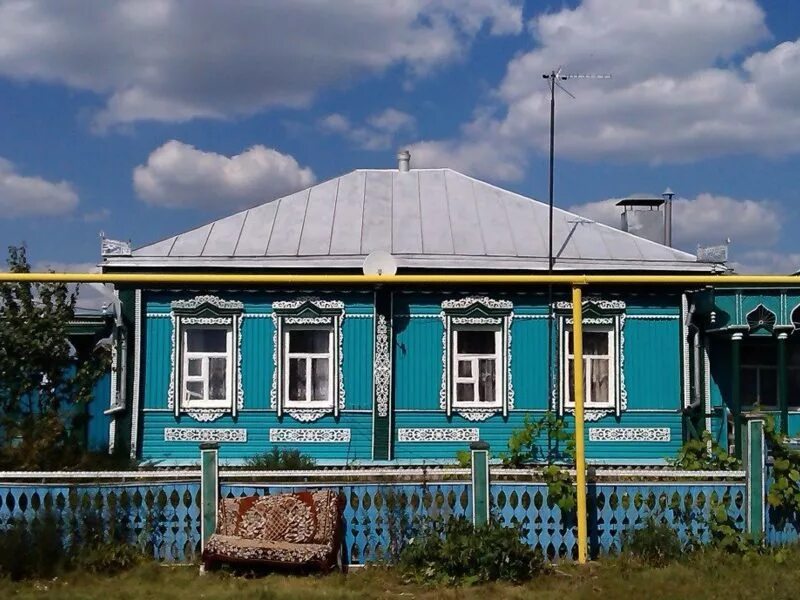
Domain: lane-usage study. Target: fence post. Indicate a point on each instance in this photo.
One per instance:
(480, 482)
(209, 491)
(755, 467)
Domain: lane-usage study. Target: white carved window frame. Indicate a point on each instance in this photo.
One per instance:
(188, 325)
(307, 313)
(474, 359)
(598, 314)
(203, 312)
(477, 312)
(611, 357)
(328, 403)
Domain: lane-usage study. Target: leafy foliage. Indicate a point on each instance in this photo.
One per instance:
(40, 549)
(704, 454)
(784, 493)
(280, 460)
(546, 441)
(44, 389)
(457, 552)
(656, 544)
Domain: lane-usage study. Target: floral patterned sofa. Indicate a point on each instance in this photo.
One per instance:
(300, 529)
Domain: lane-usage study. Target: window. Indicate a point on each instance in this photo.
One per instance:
(599, 367)
(759, 373)
(207, 365)
(307, 376)
(476, 357)
(476, 363)
(307, 381)
(205, 382)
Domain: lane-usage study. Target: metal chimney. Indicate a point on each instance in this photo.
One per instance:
(668, 195)
(404, 161)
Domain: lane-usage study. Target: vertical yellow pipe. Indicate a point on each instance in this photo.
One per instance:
(577, 394)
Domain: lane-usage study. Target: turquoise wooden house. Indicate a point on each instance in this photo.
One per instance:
(381, 374)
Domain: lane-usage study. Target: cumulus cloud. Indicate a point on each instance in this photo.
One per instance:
(767, 261)
(704, 219)
(169, 60)
(29, 195)
(178, 175)
(684, 87)
(379, 132)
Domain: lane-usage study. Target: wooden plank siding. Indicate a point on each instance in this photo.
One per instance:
(652, 370)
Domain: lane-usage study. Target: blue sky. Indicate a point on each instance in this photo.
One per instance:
(143, 119)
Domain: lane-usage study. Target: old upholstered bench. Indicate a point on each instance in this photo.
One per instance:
(300, 529)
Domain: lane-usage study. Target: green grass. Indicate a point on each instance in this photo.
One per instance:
(707, 575)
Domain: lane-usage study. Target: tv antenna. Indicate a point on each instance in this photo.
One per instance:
(554, 81)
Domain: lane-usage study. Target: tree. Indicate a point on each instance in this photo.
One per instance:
(44, 387)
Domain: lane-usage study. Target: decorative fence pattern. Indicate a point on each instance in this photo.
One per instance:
(379, 518)
(613, 509)
(163, 518)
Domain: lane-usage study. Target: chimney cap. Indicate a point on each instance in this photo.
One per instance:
(668, 193)
(403, 161)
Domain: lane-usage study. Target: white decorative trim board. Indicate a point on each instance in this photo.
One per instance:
(196, 434)
(438, 434)
(321, 436)
(630, 434)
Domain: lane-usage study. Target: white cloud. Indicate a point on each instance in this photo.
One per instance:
(683, 88)
(27, 195)
(705, 219)
(380, 131)
(169, 60)
(178, 175)
(766, 261)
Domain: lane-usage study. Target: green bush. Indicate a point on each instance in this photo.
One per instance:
(106, 558)
(704, 454)
(33, 549)
(656, 544)
(280, 460)
(457, 552)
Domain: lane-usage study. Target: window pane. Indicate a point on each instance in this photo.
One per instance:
(297, 379)
(486, 380)
(748, 387)
(595, 342)
(475, 341)
(465, 392)
(195, 390)
(319, 379)
(571, 381)
(195, 367)
(793, 387)
(598, 386)
(217, 378)
(206, 340)
(759, 353)
(465, 368)
(311, 341)
(768, 394)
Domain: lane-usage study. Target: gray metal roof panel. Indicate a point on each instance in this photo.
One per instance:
(348, 215)
(406, 214)
(289, 221)
(427, 218)
(437, 234)
(376, 231)
(224, 235)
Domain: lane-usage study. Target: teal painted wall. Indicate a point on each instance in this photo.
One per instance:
(97, 426)
(652, 369)
(257, 371)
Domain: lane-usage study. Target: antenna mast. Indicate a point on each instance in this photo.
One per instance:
(554, 78)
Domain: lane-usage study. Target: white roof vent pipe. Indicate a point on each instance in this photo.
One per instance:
(404, 161)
